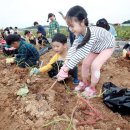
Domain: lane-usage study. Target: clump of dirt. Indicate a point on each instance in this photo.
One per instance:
(124, 63)
(43, 105)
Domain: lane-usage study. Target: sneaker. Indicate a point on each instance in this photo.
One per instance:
(89, 92)
(80, 87)
(75, 81)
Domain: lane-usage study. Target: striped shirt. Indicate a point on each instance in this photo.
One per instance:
(100, 39)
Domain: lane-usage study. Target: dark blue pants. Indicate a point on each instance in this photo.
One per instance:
(45, 50)
(74, 72)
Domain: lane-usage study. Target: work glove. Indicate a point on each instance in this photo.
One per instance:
(124, 53)
(34, 71)
(62, 73)
(10, 60)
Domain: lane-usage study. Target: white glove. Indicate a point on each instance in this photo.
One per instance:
(10, 60)
(55, 31)
(124, 53)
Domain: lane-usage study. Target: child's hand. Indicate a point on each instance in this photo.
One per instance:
(10, 60)
(55, 31)
(128, 52)
(124, 53)
(63, 73)
(34, 71)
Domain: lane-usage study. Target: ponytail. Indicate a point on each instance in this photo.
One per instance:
(86, 21)
(87, 36)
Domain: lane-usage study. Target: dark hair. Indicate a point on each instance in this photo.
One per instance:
(26, 32)
(103, 23)
(7, 29)
(12, 38)
(85, 39)
(16, 27)
(50, 15)
(35, 23)
(79, 14)
(10, 28)
(59, 38)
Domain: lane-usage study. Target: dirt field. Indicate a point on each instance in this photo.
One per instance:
(41, 105)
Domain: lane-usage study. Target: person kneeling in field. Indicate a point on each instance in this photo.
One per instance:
(60, 47)
(42, 43)
(29, 37)
(27, 55)
(126, 51)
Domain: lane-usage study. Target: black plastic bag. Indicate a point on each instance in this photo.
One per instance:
(117, 99)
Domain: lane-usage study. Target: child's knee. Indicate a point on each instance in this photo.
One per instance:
(97, 74)
(95, 69)
(94, 66)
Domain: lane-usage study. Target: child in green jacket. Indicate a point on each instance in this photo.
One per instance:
(27, 55)
(53, 26)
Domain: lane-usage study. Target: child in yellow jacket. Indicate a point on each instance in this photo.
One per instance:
(60, 47)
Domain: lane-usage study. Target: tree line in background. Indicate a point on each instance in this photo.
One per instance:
(126, 22)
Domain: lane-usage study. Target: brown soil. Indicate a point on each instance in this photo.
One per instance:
(41, 105)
